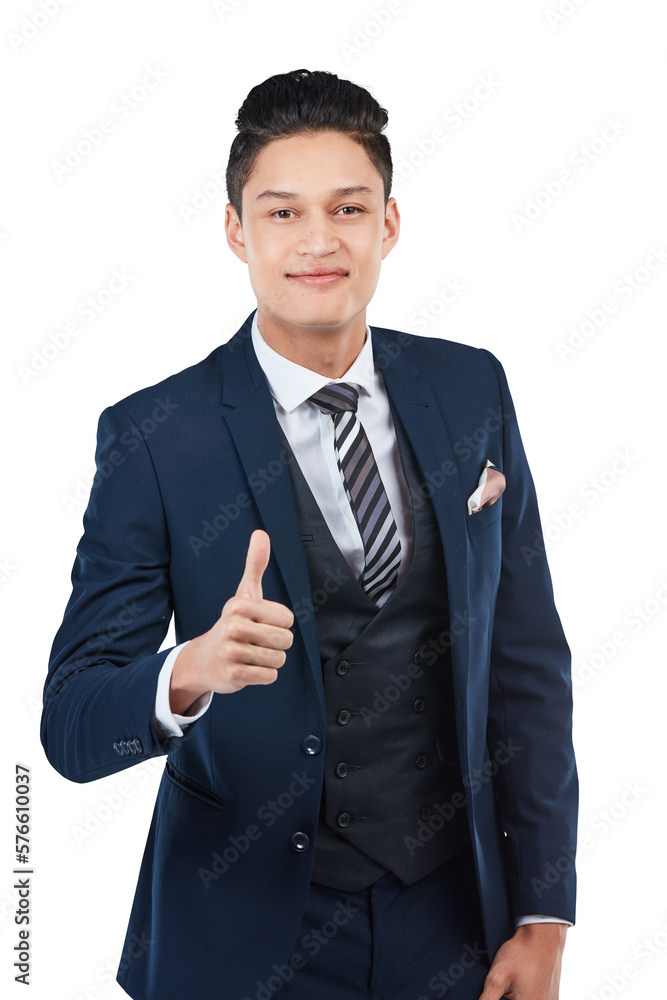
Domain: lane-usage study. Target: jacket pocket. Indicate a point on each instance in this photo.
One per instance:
(485, 517)
(193, 787)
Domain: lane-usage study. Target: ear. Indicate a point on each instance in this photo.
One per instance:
(234, 233)
(392, 225)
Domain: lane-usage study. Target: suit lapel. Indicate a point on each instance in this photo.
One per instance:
(249, 412)
(424, 424)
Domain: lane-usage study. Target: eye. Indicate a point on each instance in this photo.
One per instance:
(350, 208)
(282, 211)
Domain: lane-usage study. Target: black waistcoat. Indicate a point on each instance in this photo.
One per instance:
(393, 796)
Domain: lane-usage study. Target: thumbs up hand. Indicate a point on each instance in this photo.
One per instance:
(256, 561)
(245, 646)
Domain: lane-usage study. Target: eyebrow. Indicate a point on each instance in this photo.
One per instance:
(342, 192)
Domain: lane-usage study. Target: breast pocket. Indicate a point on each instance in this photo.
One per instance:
(484, 518)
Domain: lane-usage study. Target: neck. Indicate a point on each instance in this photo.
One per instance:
(328, 351)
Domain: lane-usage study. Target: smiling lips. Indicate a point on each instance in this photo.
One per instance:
(319, 275)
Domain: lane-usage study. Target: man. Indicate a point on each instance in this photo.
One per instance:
(370, 788)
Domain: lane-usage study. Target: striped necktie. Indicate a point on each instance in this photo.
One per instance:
(364, 488)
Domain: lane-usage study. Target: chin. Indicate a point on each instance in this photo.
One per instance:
(315, 315)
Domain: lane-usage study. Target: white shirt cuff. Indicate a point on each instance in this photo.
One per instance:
(163, 712)
(539, 918)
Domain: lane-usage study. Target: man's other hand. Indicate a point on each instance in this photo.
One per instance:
(527, 967)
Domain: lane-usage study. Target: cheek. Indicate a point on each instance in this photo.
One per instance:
(369, 266)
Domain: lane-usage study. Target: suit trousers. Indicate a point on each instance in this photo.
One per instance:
(389, 941)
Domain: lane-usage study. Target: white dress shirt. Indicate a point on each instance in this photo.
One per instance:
(311, 436)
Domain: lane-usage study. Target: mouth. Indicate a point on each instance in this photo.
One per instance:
(319, 275)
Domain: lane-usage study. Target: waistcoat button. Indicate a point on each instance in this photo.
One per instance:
(300, 841)
(342, 668)
(312, 744)
(421, 760)
(344, 819)
(341, 769)
(343, 717)
(425, 813)
(418, 704)
(418, 657)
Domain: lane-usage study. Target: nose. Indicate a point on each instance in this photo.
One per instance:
(319, 237)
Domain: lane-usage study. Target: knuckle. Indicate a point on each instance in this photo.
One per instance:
(230, 652)
(236, 673)
(234, 630)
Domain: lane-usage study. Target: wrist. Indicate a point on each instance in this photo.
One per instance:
(547, 931)
(185, 684)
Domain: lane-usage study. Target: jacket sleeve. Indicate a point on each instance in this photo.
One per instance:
(99, 695)
(530, 700)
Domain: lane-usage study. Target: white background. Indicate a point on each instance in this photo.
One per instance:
(556, 80)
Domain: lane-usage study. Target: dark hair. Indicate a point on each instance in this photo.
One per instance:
(300, 103)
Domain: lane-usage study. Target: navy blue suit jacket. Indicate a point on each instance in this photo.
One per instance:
(186, 470)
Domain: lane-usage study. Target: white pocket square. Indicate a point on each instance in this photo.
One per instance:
(490, 488)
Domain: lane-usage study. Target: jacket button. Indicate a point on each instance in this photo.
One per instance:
(300, 841)
(312, 744)
(342, 668)
(418, 704)
(344, 819)
(343, 717)
(425, 813)
(418, 657)
(341, 769)
(421, 760)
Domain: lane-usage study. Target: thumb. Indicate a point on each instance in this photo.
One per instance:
(257, 559)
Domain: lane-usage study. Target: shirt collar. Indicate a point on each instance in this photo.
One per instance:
(291, 384)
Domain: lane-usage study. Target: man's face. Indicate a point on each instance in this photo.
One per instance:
(314, 230)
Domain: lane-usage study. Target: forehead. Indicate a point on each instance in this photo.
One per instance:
(313, 165)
